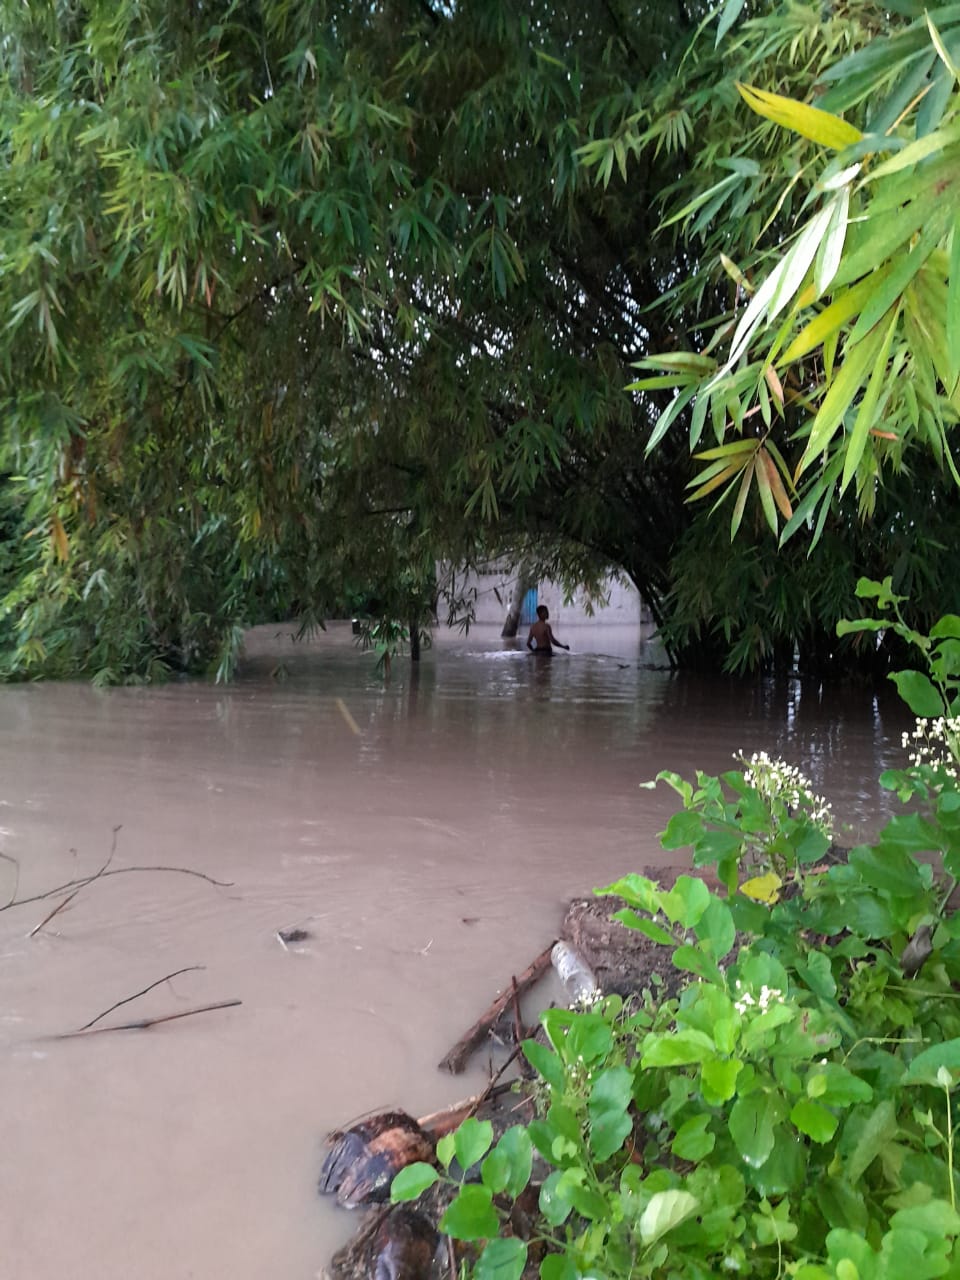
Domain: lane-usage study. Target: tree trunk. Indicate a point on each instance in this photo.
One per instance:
(414, 627)
(525, 582)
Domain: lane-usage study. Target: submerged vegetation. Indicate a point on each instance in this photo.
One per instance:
(792, 1110)
(301, 297)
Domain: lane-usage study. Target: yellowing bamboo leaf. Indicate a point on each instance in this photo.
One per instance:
(724, 450)
(765, 888)
(840, 396)
(774, 383)
(59, 535)
(868, 405)
(776, 485)
(728, 472)
(764, 489)
(832, 318)
(810, 122)
(735, 274)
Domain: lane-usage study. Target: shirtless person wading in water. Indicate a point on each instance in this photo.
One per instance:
(541, 637)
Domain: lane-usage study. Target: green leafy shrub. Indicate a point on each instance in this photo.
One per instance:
(790, 1112)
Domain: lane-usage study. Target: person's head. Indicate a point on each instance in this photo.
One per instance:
(543, 613)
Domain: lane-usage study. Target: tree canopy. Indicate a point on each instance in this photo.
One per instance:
(302, 297)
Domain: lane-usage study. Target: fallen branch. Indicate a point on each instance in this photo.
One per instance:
(456, 1060)
(193, 968)
(116, 871)
(439, 1123)
(70, 897)
(144, 1023)
(16, 879)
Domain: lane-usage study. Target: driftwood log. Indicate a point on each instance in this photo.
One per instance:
(456, 1060)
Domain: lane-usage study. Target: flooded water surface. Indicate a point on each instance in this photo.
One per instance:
(425, 834)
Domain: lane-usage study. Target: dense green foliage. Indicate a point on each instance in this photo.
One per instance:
(791, 1110)
(302, 296)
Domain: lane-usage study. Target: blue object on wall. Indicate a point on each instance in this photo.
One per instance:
(528, 611)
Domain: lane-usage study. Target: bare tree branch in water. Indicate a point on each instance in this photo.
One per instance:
(16, 881)
(116, 871)
(192, 968)
(143, 1023)
(70, 897)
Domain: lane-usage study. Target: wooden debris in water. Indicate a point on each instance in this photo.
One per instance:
(456, 1060)
(363, 1160)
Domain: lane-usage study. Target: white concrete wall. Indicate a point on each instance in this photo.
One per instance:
(494, 591)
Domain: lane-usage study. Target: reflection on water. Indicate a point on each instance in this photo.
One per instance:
(428, 855)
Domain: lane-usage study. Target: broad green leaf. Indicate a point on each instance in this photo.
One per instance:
(920, 695)
(652, 930)
(558, 1266)
(686, 901)
(835, 1086)
(502, 1259)
(924, 1067)
(446, 1150)
(412, 1181)
(810, 122)
(751, 1125)
(544, 1061)
(610, 1099)
(516, 1147)
(715, 929)
(814, 1120)
(666, 1210)
(472, 1141)
(471, 1216)
(870, 1135)
(693, 1141)
(681, 1048)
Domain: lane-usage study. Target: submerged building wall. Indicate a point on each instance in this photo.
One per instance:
(493, 588)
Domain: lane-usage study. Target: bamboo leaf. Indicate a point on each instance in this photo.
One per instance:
(669, 415)
(766, 493)
(917, 151)
(773, 382)
(843, 308)
(840, 396)
(864, 420)
(741, 501)
(726, 450)
(776, 485)
(731, 12)
(953, 310)
(940, 47)
(61, 544)
(728, 472)
(810, 122)
(831, 247)
(896, 282)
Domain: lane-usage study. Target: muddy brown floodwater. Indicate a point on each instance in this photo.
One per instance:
(428, 855)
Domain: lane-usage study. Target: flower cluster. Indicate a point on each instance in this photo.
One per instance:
(745, 1001)
(780, 782)
(935, 742)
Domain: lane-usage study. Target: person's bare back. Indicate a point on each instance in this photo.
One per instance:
(541, 638)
